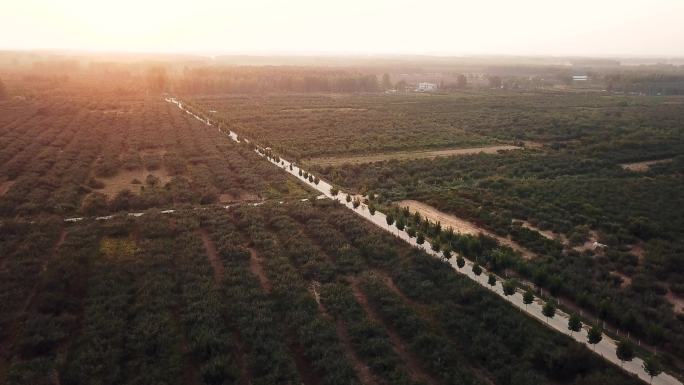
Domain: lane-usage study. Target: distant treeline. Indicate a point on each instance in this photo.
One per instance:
(647, 83)
(273, 79)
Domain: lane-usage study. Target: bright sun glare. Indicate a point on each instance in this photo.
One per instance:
(607, 27)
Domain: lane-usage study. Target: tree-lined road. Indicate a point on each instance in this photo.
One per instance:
(606, 348)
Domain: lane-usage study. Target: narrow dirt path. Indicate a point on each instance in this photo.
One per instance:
(307, 373)
(407, 155)
(424, 312)
(414, 368)
(217, 265)
(257, 268)
(389, 282)
(362, 370)
(214, 259)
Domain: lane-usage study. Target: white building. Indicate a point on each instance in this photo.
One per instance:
(426, 87)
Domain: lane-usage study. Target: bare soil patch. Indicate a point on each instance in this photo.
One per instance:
(122, 181)
(676, 301)
(242, 196)
(548, 234)
(626, 281)
(5, 186)
(407, 155)
(214, 259)
(257, 268)
(413, 367)
(638, 250)
(643, 166)
(588, 245)
(460, 226)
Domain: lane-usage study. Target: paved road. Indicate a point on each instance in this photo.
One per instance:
(606, 348)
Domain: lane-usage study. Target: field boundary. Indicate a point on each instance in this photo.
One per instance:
(408, 155)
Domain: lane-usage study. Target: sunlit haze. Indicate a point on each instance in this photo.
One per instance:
(524, 27)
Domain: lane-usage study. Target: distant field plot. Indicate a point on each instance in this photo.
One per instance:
(82, 155)
(407, 155)
(311, 126)
(304, 293)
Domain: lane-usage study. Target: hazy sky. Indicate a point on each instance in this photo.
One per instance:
(540, 27)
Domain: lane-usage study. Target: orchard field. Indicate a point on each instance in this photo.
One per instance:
(302, 126)
(76, 155)
(276, 294)
(247, 282)
(578, 179)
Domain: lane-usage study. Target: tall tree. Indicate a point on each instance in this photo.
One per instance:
(477, 269)
(389, 219)
(595, 335)
(625, 351)
(420, 239)
(446, 253)
(491, 280)
(574, 323)
(460, 262)
(528, 297)
(549, 310)
(652, 367)
(508, 287)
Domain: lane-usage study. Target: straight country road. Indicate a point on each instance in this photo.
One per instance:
(606, 348)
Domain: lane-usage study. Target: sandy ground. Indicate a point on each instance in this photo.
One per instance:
(545, 233)
(122, 180)
(643, 166)
(675, 300)
(407, 155)
(626, 281)
(459, 225)
(242, 196)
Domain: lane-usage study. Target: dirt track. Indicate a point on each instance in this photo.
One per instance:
(459, 225)
(407, 155)
(415, 370)
(214, 259)
(643, 166)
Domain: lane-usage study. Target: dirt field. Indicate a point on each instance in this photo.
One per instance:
(407, 155)
(548, 234)
(123, 179)
(643, 166)
(460, 225)
(676, 301)
(242, 196)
